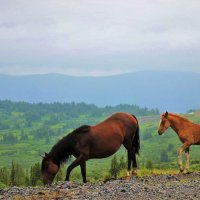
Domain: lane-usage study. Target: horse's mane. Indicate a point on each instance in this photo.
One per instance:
(81, 129)
(179, 116)
(63, 149)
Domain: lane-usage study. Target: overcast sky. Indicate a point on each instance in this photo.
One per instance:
(98, 37)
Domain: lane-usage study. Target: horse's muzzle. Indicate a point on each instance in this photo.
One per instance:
(160, 132)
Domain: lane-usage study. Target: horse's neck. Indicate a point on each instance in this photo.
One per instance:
(60, 151)
(55, 155)
(176, 124)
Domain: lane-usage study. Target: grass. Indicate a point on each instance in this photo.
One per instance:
(27, 153)
(147, 172)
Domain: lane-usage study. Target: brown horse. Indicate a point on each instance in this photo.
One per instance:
(99, 141)
(188, 133)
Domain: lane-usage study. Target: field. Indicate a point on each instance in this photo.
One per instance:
(22, 141)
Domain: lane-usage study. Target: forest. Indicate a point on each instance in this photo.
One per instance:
(20, 121)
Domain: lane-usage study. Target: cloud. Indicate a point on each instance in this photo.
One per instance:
(95, 37)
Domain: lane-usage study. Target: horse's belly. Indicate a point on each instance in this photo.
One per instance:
(102, 151)
(101, 155)
(105, 141)
(197, 143)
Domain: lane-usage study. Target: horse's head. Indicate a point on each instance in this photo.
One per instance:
(164, 123)
(49, 169)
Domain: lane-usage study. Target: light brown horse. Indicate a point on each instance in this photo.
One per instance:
(188, 133)
(99, 141)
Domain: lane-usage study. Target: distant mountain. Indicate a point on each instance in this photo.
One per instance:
(173, 91)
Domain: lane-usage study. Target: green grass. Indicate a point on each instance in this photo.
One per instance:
(147, 172)
(27, 153)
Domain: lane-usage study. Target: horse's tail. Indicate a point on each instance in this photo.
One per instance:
(136, 139)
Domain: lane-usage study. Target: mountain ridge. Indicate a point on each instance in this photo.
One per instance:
(166, 90)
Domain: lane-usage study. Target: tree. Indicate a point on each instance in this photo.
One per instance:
(170, 147)
(122, 163)
(27, 177)
(164, 157)
(35, 174)
(10, 138)
(17, 176)
(4, 177)
(149, 164)
(114, 169)
(24, 136)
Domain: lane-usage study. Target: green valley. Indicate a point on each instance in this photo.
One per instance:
(28, 130)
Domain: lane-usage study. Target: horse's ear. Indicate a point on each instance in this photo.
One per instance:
(46, 155)
(166, 114)
(42, 156)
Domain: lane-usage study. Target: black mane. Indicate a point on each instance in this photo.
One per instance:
(63, 149)
(81, 129)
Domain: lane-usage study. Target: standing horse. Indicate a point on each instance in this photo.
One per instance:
(99, 141)
(188, 133)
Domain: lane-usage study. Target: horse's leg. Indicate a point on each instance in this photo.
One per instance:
(128, 146)
(83, 171)
(180, 164)
(74, 164)
(129, 162)
(185, 146)
(187, 160)
(134, 172)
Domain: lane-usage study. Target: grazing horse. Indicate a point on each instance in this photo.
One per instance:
(188, 133)
(99, 141)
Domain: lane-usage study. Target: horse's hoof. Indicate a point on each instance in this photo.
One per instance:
(186, 172)
(134, 173)
(181, 171)
(127, 178)
(128, 173)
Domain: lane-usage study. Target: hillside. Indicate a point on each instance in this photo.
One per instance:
(173, 91)
(29, 130)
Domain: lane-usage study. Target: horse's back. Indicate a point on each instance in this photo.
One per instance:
(108, 135)
(117, 123)
(120, 117)
(188, 132)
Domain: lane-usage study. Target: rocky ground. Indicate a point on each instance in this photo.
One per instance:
(140, 188)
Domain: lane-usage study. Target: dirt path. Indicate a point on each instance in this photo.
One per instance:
(140, 188)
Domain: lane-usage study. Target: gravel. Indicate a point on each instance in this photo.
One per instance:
(147, 187)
